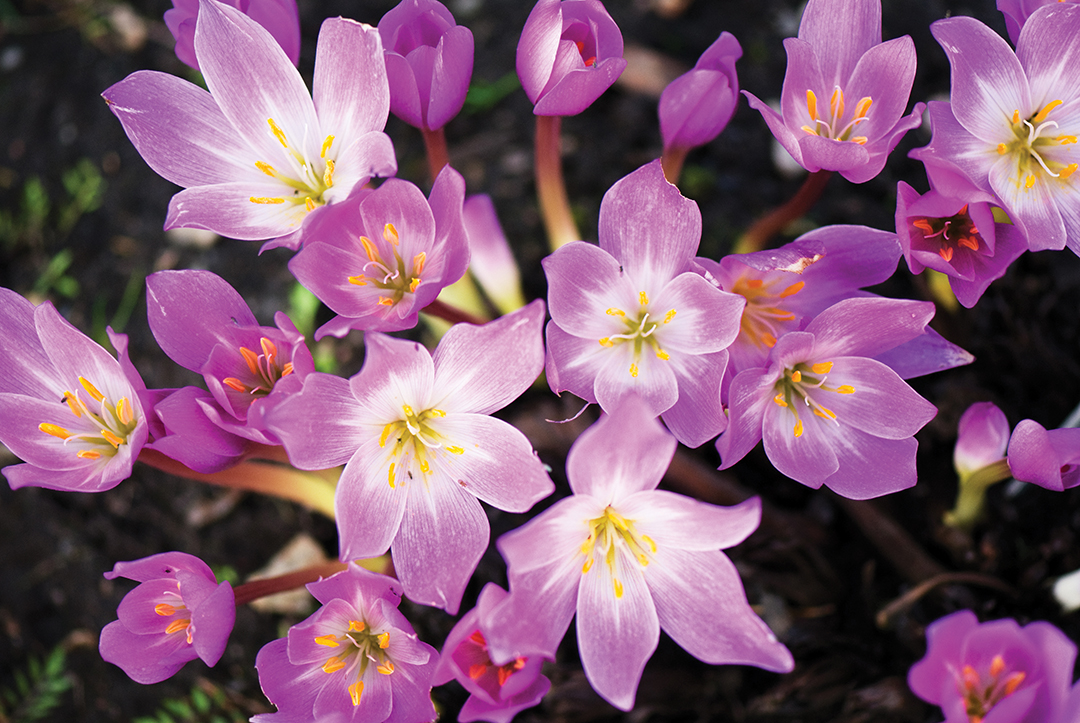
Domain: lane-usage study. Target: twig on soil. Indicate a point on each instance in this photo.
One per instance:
(905, 601)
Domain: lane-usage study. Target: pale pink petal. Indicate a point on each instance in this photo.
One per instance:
(871, 466)
(227, 209)
(706, 319)
(840, 32)
(677, 522)
(882, 404)
(318, 427)
(573, 362)
(396, 372)
(350, 90)
(584, 281)
(1052, 73)
(809, 458)
(368, 509)
(1033, 209)
(698, 415)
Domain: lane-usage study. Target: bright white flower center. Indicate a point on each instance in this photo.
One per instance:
(1031, 140)
(640, 330)
(611, 535)
(305, 180)
(415, 440)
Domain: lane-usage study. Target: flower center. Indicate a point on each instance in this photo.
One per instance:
(832, 125)
(105, 426)
(609, 533)
(949, 233)
(361, 647)
(392, 275)
(799, 385)
(265, 369)
(1029, 146)
(640, 330)
(414, 440)
(173, 607)
(582, 36)
(763, 316)
(981, 694)
(484, 666)
(306, 181)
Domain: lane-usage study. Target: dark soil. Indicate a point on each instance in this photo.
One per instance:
(815, 574)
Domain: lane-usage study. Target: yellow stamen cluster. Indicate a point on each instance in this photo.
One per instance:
(306, 180)
(395, 277)
(413, 438)
(1034, 149)
(610, 535)
(793, 390)
(833, 126)
(639, 331)
(360, 647)
(107, 425)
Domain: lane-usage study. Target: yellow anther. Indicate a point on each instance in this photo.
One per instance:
(455, 450)
(369, 249)
(266, 168)
(436, 413)
(408, 410)
(326, 146)
(91, 390)
(661, 354)
(333, 665)
(357, 626)
(390, 234)
(845, 389)
(1002, 149)
(358, 280)
(88, 454)
(821, 367)
(643, 298)
(798, 428)
(836, 104)
(779, 399)
(811, 108)
(309, 204)
(1016, 117)
(413, 285)
(355, 690)
(768, 340)
(278, 133)
(384, 640)
(112, 438)
(385, 668)
(124, 412)
(328, 174)
(390, 475)
(811, 131)
(633, 370)
(587, 566)
(1041, 115)
(164, 610)
(618, 586)
(796, 376)
(793, 289)
(863, 106)
(1030, 181)
(265, 200)
(329, 641)
(418, 262)
(606, 342)
(425, 467)
(1067, 171)
(824, 412)
(669, 316)
(73, 404)
(649, 541)
(385, 301)
(1065, 140)
(997, 664)
(54, 430)
(861, 140)
(177, 625)
(615, 312)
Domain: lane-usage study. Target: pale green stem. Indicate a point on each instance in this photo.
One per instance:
(972, 496)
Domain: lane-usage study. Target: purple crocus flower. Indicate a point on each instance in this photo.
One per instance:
(1048, 458)
(697, 105)
(996, 672)
(177, 613)
(630, 317)
(75, 415)
(828, 413)
(981, 438)
(1012, 125)
(419, 449)
(379, 262)
(496, 692)
(844, 91)
(279, 17)
(956, 236)
(1017, 12)
(429, 61)
(629, 560)
(356, 659)
(569, 53)
(257, 155)
(191, 434)
(204, 325)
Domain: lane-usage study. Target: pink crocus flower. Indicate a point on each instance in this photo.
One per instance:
(697, 105)
(419, 449)
(378, 262)
(356, 659)
(178, 612)
(1048, 458)
(257, 155)
(496, 692)
(1017, 12)
(844, 91)
(629, 559)
(828, 412)
(570, 52)
(982, 438)
(429, 61)
(995, 671)
(279, 17)
(74, 414)
(1013, 120)
(631, 317)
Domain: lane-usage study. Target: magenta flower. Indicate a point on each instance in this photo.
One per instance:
(697, 105)
(204, 325)
(1017, 12)
(279, 17)
(569, 53)
(177, 613)
(1048, 458)
(828, 413)
(844, 92)
(191, 433)
(429, 61)
(419, 448)
(981, 438)
(629, 560)
(996, 672)
(496, 692)
(1012, 124)
(630, 317)
(378, 263)
(956, 236)
(256, 155)
(72, 413)
(356, 659)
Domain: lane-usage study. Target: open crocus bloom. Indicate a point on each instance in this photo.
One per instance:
(844, 92)
(256, 155)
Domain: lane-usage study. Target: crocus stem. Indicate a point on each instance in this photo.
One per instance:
(776, 220)
(554, 203)
(972, 497)
(272, 585)
(437, 155)
(442, 310)
(309, 489)
(672, 163)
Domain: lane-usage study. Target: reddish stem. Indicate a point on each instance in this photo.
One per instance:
(437, 155)
(272, 585)
(672, 163)
(758, 235)
(550, 186)
(444, 311)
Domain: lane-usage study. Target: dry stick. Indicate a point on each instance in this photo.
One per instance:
(437, 155)
(758, 235)
(444, 311)
(905, 601)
